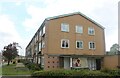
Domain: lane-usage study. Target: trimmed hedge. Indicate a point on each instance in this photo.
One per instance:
(69, 73)
(112, 72)
(52, 73)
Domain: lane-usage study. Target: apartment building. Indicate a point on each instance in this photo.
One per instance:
(68, 41)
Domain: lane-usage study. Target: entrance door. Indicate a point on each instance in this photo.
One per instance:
(91, 63)
(98, 64)
(66, 63)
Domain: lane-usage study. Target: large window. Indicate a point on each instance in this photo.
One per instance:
(91, 45)
(79, 44)
(43, 31)
(64, 43)
(64, 27)
(40, 46)
(79, 29)
(91, 31)
(40, 33)
(43, 44)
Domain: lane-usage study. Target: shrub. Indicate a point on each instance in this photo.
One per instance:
(105, 70)
(53, 73)
(83, 73)
(112, 72)
(32, 66)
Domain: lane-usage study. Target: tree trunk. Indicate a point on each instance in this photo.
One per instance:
(8, 62)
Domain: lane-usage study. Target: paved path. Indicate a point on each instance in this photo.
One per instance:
(20, 65)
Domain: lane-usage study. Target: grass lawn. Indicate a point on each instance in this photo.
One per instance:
(0, 70)
(12, 70)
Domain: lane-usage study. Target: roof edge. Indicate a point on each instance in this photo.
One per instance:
(65, 15)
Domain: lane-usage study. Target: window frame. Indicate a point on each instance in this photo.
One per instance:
(77, 29)
(64, 26)
(91, 29)
(43, 44)
(40, 32)
(79, 45)
(64, 44)
(91, 47)
(40, 46)
(44, 29)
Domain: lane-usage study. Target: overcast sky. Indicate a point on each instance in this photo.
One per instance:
(20, 19)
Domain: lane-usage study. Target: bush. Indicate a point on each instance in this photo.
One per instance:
(32, 66)
(83, 73)
(112, 72)
(52, 73)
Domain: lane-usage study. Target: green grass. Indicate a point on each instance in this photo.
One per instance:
(0, 71)
(12, 70)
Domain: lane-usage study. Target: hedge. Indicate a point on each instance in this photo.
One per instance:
(70, 73)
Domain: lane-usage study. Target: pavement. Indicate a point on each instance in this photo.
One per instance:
(20, 65)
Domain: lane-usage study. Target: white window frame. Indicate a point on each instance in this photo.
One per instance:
(79, 43)
(43, 30)
(92, 45)
(91, 29)
(40, 46)
(64, 27)
(43, 44)
(79, 29)
(65, 43)
(40, 33)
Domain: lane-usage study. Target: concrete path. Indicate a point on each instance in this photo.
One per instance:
(20, 65)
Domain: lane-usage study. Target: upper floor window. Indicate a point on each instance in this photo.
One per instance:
(91, 45)
(79, 44)
(91, 31)
(79, 29)
(43, 30)
(64, 27)
(43, 44)
(64, 43)
(40, 46)
(40, 32)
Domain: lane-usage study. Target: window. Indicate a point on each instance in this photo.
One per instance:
(43, 44)
(91, 45)
(65, 27)
(91, 31)
(40, 33)
(79, 44)
(44, 30)
(64, 43)
(36, 48)
(79, 29)
(40, 46)
(53, 62)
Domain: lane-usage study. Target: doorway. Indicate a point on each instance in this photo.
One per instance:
(98, 64)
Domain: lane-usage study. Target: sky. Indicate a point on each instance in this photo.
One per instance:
(20, 19)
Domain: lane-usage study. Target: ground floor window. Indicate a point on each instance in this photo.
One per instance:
(79, 62)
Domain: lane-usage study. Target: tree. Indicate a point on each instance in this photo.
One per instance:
(114, 49)
(10, 51)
